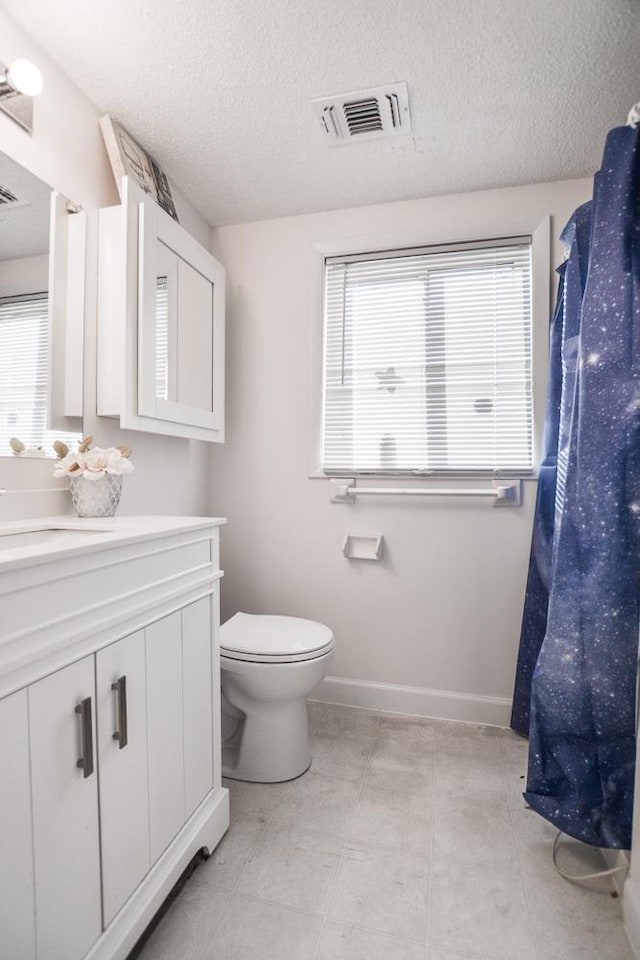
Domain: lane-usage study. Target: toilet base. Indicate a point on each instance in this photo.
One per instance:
(231, 772)
(271, 746)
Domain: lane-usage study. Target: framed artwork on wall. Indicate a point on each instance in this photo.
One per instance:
(129, 159)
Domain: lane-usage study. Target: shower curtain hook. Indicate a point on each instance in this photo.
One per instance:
(633, 118)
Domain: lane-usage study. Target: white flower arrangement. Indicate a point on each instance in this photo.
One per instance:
(94, 463)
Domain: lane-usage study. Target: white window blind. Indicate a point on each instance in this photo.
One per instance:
(162, 338)
(23, 375)
(428, 361)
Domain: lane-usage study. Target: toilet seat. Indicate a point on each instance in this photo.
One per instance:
(258, 638)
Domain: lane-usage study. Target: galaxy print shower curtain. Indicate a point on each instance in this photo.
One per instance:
(563, 369)
(534, 619)
(577, 670)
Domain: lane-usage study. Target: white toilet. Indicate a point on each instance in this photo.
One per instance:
(269, 665)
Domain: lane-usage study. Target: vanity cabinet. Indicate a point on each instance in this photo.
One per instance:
(122, 749)
(110, 748)
(17, 893)
(49, 838)
(180, 720)
(64, 800)
(161, 323)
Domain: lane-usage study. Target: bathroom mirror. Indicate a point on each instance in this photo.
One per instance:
(41, 314)
(184, 350)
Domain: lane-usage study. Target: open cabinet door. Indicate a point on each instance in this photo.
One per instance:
(67, 265)
(181, 327)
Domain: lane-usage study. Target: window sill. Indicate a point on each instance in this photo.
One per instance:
(319, 474)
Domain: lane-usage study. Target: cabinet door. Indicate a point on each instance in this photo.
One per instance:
(196, 687)
(181, 326)
(65, 812)
(165, 732)
(17, 907)
(121, 691)
(67, 262)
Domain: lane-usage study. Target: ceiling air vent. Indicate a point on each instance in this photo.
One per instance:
(364, 115)
(7, 198)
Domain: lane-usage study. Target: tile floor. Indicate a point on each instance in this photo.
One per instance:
(406, 840)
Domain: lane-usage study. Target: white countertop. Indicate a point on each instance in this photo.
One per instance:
(42, 539)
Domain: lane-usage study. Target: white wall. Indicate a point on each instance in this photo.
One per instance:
(24, 275)
(442, 611)
(66, 151)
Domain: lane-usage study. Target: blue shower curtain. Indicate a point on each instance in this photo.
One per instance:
(563, 358)
(576, 681)
(534, 618)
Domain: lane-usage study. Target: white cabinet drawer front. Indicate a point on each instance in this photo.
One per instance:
(17, 910)
(197, 643)
(87, 594)
(121, 695)
(65, 814)
(165, 731)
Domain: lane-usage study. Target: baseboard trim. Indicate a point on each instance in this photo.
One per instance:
(631, 912)
(417, 701)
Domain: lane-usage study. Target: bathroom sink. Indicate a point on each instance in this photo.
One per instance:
(46, 536)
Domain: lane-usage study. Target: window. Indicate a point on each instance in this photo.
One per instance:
(24, 336)
(428, 360)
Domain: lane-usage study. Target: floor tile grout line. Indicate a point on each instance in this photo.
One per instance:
(254, 851)
(438, 746)
(530, 917)
(232, 890)
(300, 911)
(216, 924)
(432, 845)
(314, 730)
(332, 889)
(385, 935)
(320, 916)
(303, 911)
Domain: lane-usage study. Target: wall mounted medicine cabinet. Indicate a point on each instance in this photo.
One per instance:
(161, 323)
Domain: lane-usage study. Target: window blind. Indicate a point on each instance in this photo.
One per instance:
(24, 367)
(162, 338)
(428, 361)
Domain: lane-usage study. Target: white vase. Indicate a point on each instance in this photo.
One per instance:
(96, 498)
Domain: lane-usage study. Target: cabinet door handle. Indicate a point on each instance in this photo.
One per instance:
(122, 733)
(86, 737)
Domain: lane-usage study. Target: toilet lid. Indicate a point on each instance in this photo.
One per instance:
(249, 636)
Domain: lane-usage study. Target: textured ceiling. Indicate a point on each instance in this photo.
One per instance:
(502, 91)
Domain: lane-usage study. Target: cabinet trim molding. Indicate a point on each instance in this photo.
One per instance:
(69, 614)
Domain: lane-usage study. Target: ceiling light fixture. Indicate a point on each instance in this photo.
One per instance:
(21, 77)
(19, 83)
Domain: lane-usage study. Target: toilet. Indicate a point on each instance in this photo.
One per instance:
(269, 665)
